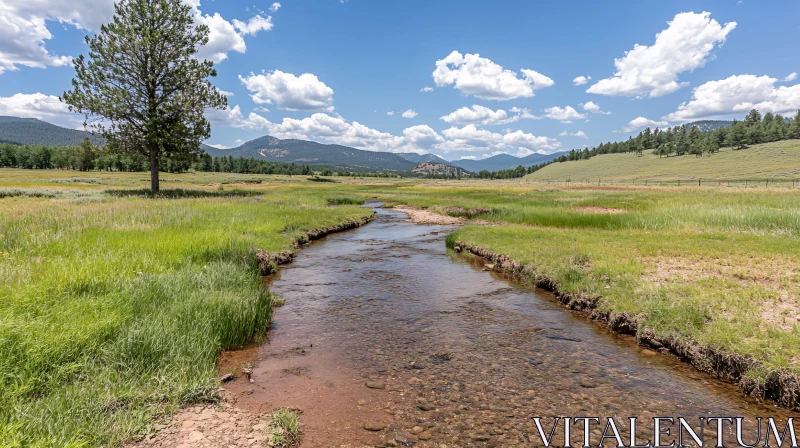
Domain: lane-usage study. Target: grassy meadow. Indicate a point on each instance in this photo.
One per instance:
(114, 309)
(775, 161)
(114, 306)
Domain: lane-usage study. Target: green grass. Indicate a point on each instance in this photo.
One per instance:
(113, 311)
(778, 160)
(285, 429)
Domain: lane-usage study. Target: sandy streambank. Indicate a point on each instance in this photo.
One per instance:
(211, 426)
(419, 216)
(781, 386)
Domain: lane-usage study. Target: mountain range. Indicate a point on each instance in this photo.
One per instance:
(303, 152)
(31, 131)
(504, 162)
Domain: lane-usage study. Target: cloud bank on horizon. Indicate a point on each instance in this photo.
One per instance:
(540, 103)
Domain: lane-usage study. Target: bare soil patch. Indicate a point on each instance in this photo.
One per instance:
(781, 276)
(419, 216)
(211, 426)
(594, 209)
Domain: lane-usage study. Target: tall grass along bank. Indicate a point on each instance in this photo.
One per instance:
(113, 311)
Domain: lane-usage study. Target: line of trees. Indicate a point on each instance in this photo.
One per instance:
(513, 173)
(686, 140)
(85, 157)
(88, 157)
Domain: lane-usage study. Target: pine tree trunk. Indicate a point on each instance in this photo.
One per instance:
(154, 184)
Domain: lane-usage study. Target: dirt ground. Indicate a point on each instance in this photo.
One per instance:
(222, 425)
(419, 216)
(599, 210)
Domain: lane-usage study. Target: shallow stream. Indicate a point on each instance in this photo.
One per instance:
(383, 328)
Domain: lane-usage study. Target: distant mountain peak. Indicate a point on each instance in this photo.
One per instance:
(504, 162)
(422, 158)
(303, 152)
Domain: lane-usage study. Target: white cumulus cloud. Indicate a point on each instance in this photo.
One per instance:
(478, 115)
(24, 32)
(422, 136)
(233, 118)
(529, 141)
(593, 108)
(481, 115)
(653, 70)
(410, 113)
(289, 92)
(792, 76)
(642, 122)
(564, 115)
(254, 25)
(737, 95)
(38, 105)
(472, 136)
(482, 78)
(318, 127)
(581, 80)
(274, 7)
(426, 89)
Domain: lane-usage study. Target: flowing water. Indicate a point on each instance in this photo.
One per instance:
(383, 328)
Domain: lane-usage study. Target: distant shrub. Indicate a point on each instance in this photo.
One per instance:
(345, 200)
(75, 180)
(320, 179)
(14, 192)
(180, 193)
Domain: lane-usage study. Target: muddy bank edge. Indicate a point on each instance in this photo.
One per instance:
(781, 386)
(268, 262)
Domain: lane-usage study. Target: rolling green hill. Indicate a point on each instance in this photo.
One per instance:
(777, 160)
(31, 131)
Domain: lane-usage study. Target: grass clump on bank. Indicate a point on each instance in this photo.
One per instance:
(285, 431)
(112, 313)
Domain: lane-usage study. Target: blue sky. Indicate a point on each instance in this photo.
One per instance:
(333, 71)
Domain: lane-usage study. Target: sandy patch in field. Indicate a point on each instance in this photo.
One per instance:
(779, 275)
(418, 216)
(594, 210)
(210, 426)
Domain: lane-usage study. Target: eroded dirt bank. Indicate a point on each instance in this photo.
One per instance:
(386, 341)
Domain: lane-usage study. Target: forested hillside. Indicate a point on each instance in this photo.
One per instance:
(31, 131)
(691, 140)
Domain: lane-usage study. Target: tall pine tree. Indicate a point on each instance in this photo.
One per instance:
(142, 88)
